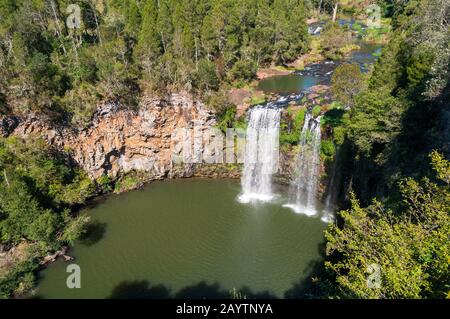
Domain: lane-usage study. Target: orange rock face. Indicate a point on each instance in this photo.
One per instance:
(119, 141)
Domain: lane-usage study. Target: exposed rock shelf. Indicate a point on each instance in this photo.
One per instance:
(122, 140)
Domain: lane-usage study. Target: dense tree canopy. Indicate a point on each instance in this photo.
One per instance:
(37, 186)
(400, 117)
(57, 63)
(347, 81)
(397, 221)
(410, 245)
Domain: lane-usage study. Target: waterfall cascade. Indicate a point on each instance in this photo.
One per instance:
(332, 191)
(261, 153)
(304, 186)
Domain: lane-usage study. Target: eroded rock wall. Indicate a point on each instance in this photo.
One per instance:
(121, 140)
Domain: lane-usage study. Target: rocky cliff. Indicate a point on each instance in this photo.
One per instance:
(146, 140)
(121, 140)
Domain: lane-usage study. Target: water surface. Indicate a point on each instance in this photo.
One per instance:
(189, 238)
(287, 84)
(318, 73)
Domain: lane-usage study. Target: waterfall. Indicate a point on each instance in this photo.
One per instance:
(304, 186)
(261, 153)
(327, 216)
(332, 190)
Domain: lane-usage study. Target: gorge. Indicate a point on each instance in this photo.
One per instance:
(224, 149)
(213, 243)
(240, 236)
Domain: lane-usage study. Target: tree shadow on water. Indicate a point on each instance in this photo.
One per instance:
(139, 290)
(250, 294)
(307, 287)
(94, 233)
(202, 290)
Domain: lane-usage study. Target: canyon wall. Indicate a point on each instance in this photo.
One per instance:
(121, 140)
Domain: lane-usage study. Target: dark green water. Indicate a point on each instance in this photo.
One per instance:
(189, 238)
(287, 84)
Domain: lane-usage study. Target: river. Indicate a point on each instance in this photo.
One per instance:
(318, 73)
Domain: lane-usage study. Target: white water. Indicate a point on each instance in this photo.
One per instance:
(304, 186)
(261, 154)
(330, 200)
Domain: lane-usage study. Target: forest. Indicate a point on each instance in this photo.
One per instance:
(131, 47)
(393, 138)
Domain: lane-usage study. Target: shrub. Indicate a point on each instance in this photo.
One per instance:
(75, 228)
(339, 135)
(206, 75)
(332, 39)
(333, 117)
(243, 70)
(327, 148)
(104, 183)
(127, 183)
(291, 127)
(289, 137)
(18, 279)
(299, 118)
(226, 118)
(316, 110)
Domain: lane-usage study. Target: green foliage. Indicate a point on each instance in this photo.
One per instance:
(19, 280)
(327, 148)
(129, 182)
(358, 28)
(390, 128)
(37, 189)
(332, 39)
(218, 101)
(375, 34)
(333, 117)
(375, 119)
(288, 136)
(395, 121)
(411, 245)
(236, 294)
(207, 78)
(418, 67)
(291, 126)
(339, 135)
(316, 110)
(226, 118)
(36, 186)
(75, 228)
(347, 81)
(441, 166)
(260, 99)
(243, 70)
(240, 123)
(125, 47)
(104, 182)
(81, 103)
(299, 118)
